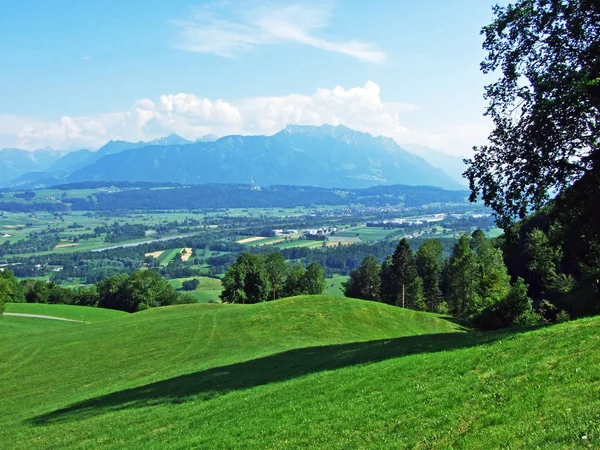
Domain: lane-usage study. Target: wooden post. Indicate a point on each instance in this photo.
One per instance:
(403, 295)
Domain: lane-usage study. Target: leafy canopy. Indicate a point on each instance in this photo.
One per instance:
(545, 105)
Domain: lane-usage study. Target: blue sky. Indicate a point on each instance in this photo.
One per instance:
(78, 73)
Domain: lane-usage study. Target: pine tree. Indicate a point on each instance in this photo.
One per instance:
(430, 259)
(461, 283)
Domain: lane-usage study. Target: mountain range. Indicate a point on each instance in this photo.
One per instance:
(325, 156)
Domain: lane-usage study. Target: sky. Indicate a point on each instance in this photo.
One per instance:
(76, 74)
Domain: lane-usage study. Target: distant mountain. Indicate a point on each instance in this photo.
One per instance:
(208, 138)
(72, 160)
(15, 162)
(172, 139)
(451, 165)
(325, 156)
(47, 166)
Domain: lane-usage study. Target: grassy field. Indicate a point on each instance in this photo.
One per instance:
(334, 285)
(19, 325)
(298, 243)
(314, 372)
(85, 313)
(167, 256)
(208, 290)
(366, 234)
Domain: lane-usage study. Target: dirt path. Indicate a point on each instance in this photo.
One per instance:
(38, 316)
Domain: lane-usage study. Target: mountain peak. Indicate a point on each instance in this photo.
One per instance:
(312, 129)
(171, 139)
(208, 138)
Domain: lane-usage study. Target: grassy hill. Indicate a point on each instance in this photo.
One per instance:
(317, 372)
(18, 325)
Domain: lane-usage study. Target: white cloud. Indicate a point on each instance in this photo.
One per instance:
(361, 108)
(246, 27)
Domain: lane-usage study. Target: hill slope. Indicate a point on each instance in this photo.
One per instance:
(303, 372)
(323, 156)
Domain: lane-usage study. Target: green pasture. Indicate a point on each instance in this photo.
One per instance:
(333, 285)
(15, 325)
(167, 256)
(306, 372)
(208, 290)
(366, 234)
(298, 243)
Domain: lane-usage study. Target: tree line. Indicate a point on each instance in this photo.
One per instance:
(472, 284)
(258, 278)
(141, 290)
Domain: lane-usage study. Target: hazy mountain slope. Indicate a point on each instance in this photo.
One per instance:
(453, 166)
(299, 155)
(15, 162)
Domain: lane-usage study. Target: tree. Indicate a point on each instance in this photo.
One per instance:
(545, 105)
(313, 280)
(36, 291)
(365, 281)
(461, 283)
(430, 260)
(400, 283)
(246, 281)
(492, 278)
(293, 284)
(514, 309)
(277, 273)
(388, 286)
(190, 285)
(111, 293)
(147, 289)
(10, 289)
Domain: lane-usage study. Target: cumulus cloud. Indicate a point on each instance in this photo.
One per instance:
(224, 31)
(361, 108)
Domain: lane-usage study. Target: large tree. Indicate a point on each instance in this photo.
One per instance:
(246, 281)
(313, 280)
(400, 283)
(364, 282)
(493, 278)
(545, 105)
(462, 280)
(430, 260)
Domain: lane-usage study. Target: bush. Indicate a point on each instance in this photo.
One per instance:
(190, 285)
(563, 316)
(512, 310)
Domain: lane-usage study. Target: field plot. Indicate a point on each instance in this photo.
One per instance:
(250, 239)
(299, 243)
(66, 245)
(334, 241)
(154, 254)
(186, 253)
(208, 290)
(271, 241)
(366, 234)
(167, 256)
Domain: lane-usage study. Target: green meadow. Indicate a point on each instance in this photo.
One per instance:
(208, 290)
(311, 372)
(366, 234)
(12, 325)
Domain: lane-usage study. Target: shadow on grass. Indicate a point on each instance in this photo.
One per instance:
(210, 383)
(463, 325)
